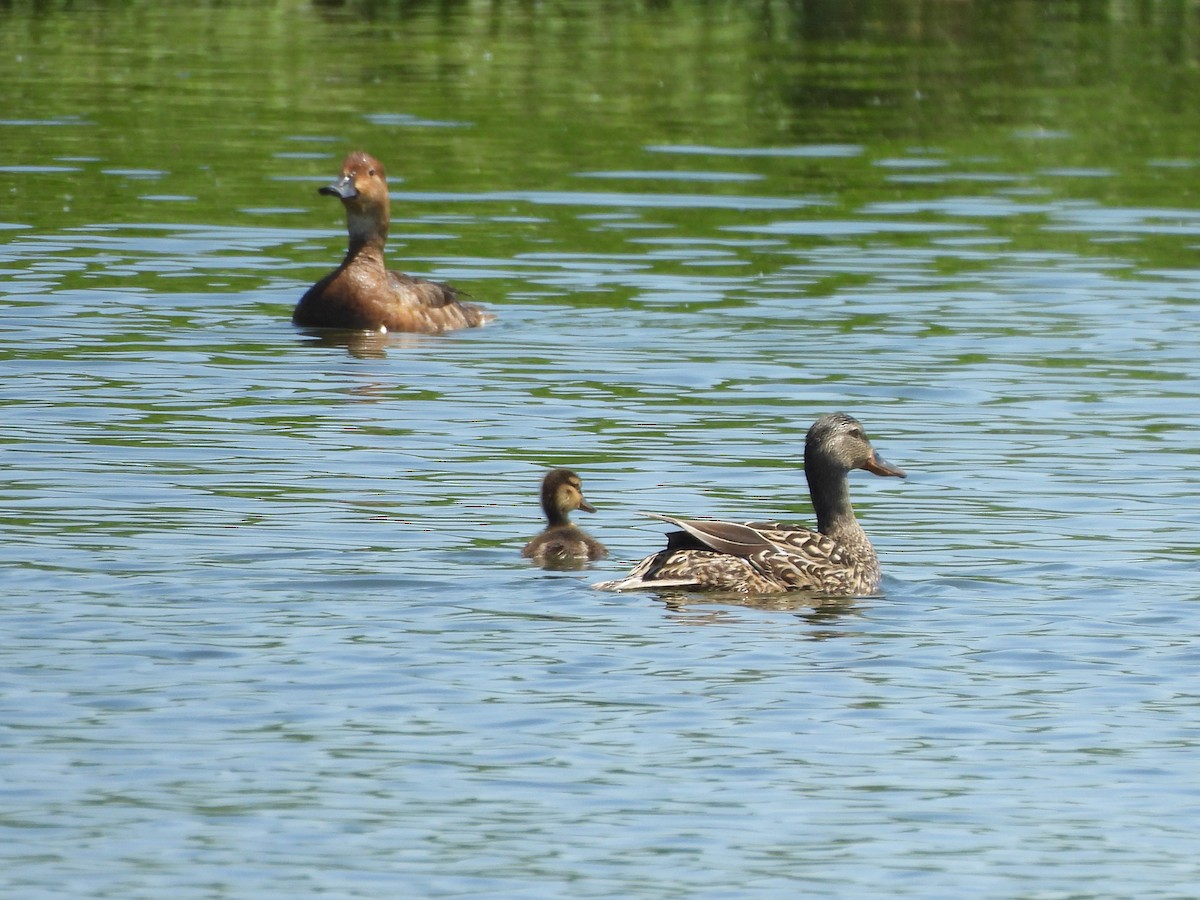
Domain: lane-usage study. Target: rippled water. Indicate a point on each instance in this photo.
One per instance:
(267, 629)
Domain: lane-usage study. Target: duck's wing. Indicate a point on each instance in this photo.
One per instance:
(437, 306)
(742, 539)
(782, 553)
(790, 538)
(753, 557)
(428, 293)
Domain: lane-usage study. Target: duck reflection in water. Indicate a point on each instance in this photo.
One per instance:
(825, 617)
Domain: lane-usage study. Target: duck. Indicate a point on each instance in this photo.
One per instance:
(563, 543)
(836, 559)
(362, 293)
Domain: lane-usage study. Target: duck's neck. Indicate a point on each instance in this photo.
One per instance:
(367, 236)
(831, 499)
(555, 514)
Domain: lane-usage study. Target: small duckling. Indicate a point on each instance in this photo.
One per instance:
(362, 293)
(563, 544)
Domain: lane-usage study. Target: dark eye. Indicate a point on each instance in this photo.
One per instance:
(370, 173)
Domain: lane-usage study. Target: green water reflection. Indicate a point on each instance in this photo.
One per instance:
(134, 112)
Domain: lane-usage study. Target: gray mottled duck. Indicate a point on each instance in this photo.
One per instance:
(770, 557)
(563, 543)
(362, 293)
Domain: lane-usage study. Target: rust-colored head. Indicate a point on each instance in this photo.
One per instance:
(362, 188)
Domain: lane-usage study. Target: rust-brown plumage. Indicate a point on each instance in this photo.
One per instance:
(362, 293)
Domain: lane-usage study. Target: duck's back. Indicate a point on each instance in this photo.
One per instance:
(565, 543)
(360, 297)
(756, 558)
(434, 305)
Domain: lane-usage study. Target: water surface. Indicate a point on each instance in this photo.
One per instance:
(267, 629)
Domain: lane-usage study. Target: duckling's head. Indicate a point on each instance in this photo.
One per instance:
(562, 493)
(362, 188)
(838, 441)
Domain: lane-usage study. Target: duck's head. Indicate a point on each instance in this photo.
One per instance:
(362, 188)
(562, 493)
(838, 441)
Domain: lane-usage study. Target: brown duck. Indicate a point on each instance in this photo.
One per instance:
(362, 293)
(563, 543)
(770, 557)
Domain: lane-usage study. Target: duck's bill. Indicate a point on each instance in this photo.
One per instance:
(343, 188)
(877, 465)
(586, 507)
